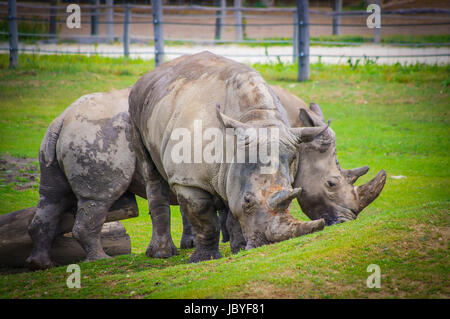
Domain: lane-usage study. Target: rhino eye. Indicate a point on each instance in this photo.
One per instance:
(249, 200)
(331, 184)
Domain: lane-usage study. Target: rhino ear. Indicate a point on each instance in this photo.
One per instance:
(306, 119)
(310, 119)
(228, 122)
(307, 134)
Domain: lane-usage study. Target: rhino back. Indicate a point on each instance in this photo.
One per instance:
(94, 147)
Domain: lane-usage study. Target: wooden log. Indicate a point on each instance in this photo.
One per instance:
(14, 236)
(66, 249)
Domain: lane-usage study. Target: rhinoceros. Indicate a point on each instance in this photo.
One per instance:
(328, 191)
(189, 89)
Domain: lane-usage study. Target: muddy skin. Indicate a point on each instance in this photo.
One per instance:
(88, 162)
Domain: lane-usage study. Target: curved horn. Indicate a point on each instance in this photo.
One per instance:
(351, 175)
(368, 192)
(282, 225)
(307, 134)
(280, 200)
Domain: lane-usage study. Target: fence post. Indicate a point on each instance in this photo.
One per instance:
(52, 26)
(337, 7)
(238, 19)
(157, 11)
(377, 31)
(219, 19)
(13, 34)
(295, 38)
(110, 20)
(94, 17)
(126, 31)
(303, 39)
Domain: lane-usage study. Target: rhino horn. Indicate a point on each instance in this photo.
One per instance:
(368, 192)
(351, 175)
(281, 200)
(307, 134)
(282, 225)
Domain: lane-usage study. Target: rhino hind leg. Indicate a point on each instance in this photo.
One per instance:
(200, 209)
(42, 230)
(55, 198)
(91, 215)
(161, 244)
(188, 237)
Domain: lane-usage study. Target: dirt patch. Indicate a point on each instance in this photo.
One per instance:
(22, 172)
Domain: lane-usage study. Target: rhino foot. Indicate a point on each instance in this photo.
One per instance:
(37, 262)
(97, 256)
(203, 254)
(161, 251)
(187, 241)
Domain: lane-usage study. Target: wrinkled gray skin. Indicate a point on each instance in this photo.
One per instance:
(188, 88)
(328, 191)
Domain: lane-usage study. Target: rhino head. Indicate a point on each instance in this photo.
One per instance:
(261, 201)
(328, 190)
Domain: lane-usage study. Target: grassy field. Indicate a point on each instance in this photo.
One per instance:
(392, 117)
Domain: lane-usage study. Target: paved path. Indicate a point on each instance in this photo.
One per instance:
(333, 55)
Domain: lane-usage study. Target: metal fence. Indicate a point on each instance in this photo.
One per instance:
(161, 18)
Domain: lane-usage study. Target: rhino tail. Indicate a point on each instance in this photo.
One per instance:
(48, 146)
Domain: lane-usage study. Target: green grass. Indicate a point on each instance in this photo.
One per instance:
(32, 28)
(392, 117)
(336, 40)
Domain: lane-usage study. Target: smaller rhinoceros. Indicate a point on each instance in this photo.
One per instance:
(327, 189)
(87, 161)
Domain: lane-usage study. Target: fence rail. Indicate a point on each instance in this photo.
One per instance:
(160, 16)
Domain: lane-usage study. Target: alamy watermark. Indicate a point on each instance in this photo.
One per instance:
(374, 280)
(238, 145)
(73, 21)
(74, 280)
(374, 20)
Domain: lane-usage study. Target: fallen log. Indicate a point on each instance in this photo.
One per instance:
(66, 249)
(15, 243)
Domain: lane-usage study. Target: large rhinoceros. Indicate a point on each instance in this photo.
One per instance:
(178, 95)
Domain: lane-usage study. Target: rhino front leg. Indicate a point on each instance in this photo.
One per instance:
(161, 245)
(199, 207)
(237, 240)
(188, 237)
